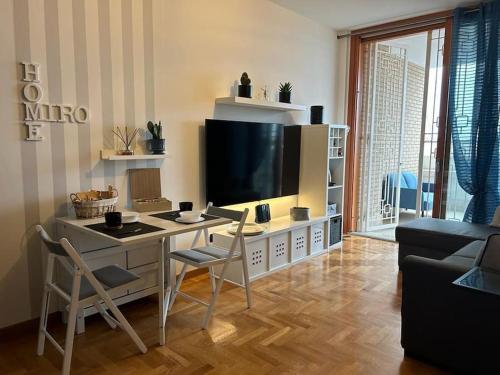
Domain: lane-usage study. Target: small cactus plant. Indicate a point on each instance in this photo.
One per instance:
(155, 129)
(245, 81)
(286, 87)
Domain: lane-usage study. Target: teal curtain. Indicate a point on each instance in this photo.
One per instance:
(474, 106)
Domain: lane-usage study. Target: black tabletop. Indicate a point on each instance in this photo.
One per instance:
(172, 215)
(128, 230)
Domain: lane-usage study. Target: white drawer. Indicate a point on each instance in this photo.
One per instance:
(83, 242)
(278, 251)
(257, 257)
(104, 259)
(149, 278)
(141, 256)
(317, 238)
(299, 244)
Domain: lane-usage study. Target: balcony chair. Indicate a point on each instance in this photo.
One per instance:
(408, 191)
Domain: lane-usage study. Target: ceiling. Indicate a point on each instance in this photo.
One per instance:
(346, 14)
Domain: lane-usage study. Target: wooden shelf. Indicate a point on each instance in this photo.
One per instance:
(260, 104)
(111, 155)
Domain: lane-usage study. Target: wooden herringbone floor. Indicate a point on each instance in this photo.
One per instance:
(334, 314)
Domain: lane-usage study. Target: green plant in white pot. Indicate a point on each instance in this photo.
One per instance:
(157, 143)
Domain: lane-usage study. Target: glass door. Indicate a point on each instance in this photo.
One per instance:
(383, 117)
(430, 122)
(398, 129)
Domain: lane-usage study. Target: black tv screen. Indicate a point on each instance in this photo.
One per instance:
(247, 161)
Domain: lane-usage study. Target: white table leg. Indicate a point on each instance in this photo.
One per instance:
(161, 291)
(168, 287)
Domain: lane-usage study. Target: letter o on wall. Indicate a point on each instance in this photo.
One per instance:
(32, 92)
(81, 114)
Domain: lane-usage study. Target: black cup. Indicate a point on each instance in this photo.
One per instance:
(186, 206)
(113, 219)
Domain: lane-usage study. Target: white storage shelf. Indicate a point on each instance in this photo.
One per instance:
(337, 142)
(285, 242)
(260, 104)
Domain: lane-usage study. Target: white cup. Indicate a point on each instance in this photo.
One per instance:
(190, 215)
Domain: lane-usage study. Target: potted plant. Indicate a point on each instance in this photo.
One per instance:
(285, 92)
(245, 89)
(157, 144)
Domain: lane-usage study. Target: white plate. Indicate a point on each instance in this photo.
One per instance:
(250, 229)
(181, 220)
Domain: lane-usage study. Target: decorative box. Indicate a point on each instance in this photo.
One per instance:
(300, 213)
(145, 190)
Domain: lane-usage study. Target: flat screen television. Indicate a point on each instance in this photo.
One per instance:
(249, 161)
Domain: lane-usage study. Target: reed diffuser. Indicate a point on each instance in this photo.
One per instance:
(126, 138)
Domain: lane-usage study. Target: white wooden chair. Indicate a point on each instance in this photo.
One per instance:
(209, 256)
(86, 287)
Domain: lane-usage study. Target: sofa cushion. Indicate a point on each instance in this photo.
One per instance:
(442, 234)
(467, 255)
(457, 260)
(471, 250)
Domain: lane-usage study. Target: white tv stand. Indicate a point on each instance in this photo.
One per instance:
(285, 242)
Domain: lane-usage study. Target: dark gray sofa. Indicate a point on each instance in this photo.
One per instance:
(442, 323)
(436, 238)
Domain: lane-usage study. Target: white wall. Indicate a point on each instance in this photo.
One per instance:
(131, 61)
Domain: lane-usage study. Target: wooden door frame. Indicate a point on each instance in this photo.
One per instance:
(442, 20)
(443, 146)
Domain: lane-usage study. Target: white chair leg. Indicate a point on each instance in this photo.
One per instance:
(213, 300)
(104, 314)
(45, 304)
(80, 322)
(177, 285)
(70, 329)
(43, 320)
(212, 278)
(125, 325)
(244, 263)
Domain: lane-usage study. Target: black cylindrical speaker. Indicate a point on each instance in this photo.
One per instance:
(316, 114)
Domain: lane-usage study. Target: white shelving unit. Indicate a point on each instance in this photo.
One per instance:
(284, 243)
(111, 155)
(322, 151)
(260, 104)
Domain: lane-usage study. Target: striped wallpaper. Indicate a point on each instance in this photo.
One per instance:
(130, 61)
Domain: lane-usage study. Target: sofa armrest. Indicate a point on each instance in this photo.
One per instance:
(446, 323)
(430, 271)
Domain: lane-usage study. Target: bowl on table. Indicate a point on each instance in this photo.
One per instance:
(190, 216)
(130, 217)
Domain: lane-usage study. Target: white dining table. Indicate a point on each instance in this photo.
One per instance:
(168, 229)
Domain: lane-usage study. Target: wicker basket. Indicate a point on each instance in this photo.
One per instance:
(90, 204)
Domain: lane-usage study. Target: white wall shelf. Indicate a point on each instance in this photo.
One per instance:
(335, 187)
(111, 155)
(260, 104)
